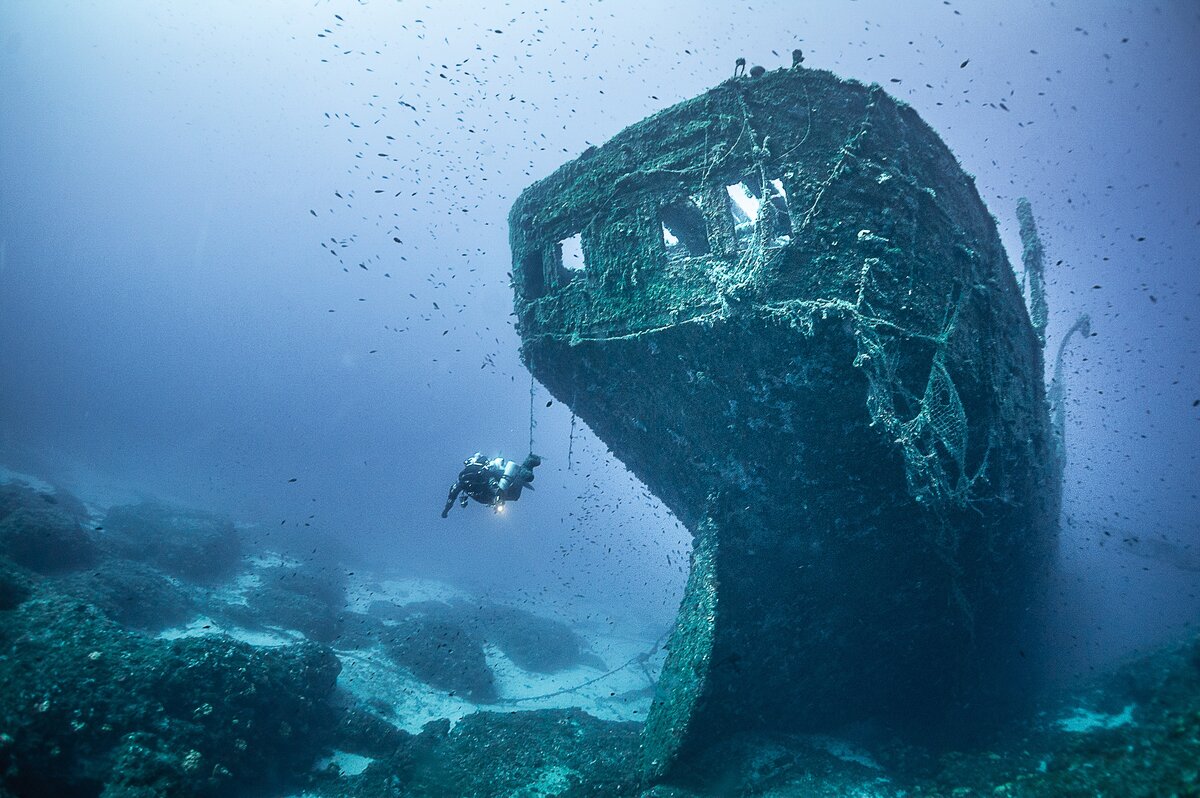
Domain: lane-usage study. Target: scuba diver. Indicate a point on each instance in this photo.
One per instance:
(491, 482)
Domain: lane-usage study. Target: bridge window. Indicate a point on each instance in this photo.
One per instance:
(744, 205)
(748, 209)
(570, 251)
(533, 275)
(685, 233)
(781, 215)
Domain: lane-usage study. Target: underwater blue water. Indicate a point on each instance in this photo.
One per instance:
(254, 260)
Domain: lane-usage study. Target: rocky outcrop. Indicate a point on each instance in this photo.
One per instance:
(794, 320)
(538, 753)
(193, 545)
(133, 594)
(308, 598)
(442, 653)
(533, 642)
(86, 706)
(40, 532)
(90, 705)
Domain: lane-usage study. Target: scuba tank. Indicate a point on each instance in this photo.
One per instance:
(510, 477)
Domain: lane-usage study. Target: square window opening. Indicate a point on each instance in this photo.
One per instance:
(744, 206)
(533, 275)
(684, 229)
(781, 215)
(571, 253)
(777, 184)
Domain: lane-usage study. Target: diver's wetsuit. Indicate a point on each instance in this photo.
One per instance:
(475, 481)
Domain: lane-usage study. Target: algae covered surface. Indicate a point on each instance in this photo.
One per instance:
(783, 306)
(103, 691)
(838, 383)
(92, 706)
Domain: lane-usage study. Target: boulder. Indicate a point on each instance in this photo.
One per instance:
(87, 707)
(309, 599)
(190, 544)
(43, 537)
(442, 652)
(132, 593)
(533, 642)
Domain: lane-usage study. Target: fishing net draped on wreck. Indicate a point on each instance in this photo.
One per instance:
(784, 306)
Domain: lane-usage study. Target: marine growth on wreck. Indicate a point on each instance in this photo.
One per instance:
(783, 305)
(805, 519)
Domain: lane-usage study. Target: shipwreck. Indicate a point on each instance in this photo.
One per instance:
(785, 308)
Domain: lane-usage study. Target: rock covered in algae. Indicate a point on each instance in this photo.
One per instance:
(190, 544)
(791, 316)
(42, 531)
(133, 594)
(1131, 732)
(555, 752)
(86, 706)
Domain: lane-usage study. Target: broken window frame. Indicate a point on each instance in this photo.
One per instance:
(683, 218)
(561, 251)
(773, 206)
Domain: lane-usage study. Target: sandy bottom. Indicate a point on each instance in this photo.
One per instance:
(621, 691)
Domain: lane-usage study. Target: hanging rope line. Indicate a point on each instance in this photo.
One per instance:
(571, 437)
(531, 421)
(571, 441)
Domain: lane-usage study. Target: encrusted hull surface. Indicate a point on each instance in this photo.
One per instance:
(796, 323)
